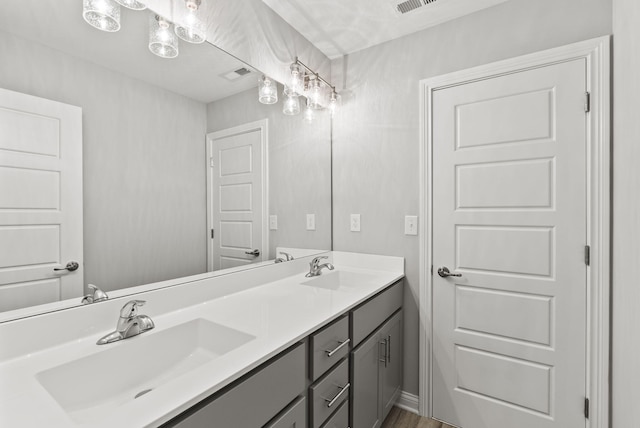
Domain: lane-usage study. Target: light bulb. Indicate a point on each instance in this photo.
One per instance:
(291, 103)
(162, 41)
(295, 82)
(267, 91)
(102, 14)
(334, 102)
(316, 95)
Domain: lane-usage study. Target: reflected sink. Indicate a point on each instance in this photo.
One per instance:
(341, 280)
(88, 387)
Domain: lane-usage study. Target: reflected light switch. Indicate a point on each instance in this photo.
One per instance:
(355, 222)
(273, 222)
(311, 222)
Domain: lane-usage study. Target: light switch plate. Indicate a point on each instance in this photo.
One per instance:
(273, 222)
(410, 225)
(311, 222)
(355, 222)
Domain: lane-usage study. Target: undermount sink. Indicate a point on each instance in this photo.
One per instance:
(340, 280)
(88, 387)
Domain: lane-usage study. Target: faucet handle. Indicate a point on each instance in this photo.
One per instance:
(130, 309)
(316, 260)
(98, 294)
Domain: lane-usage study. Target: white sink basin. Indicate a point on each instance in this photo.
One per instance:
(341, 280)
(88, 387)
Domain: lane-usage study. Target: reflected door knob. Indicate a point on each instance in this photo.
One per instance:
(71, 266)
(445, 273)
(255, 252)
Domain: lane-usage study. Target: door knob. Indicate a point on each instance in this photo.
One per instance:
(255, 252)
(444, 272)
(71, 266)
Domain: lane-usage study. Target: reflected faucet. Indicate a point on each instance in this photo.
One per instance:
(287, 257)
(96, 296)
(315, 267)
(129, 324)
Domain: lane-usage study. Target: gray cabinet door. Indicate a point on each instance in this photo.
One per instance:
(365, 360)
(391, 370)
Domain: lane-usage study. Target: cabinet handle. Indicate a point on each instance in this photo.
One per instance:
(384, 360)
(343, 389)
(389, 349)
(341, 345)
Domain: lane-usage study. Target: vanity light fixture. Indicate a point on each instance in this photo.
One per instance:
(162, 40)
(267, 91)
(102, 14)
(304, 81)
(132, 4)
(315, 93)
(334, 102)
(296, 83)
(189, 27)
(291, 103)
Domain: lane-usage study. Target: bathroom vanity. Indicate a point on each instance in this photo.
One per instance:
(258, 348)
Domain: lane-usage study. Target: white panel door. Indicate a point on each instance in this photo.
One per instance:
(236, 209)
(40, 200)
(509, 216)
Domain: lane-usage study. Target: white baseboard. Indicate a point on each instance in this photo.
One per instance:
(408, 402)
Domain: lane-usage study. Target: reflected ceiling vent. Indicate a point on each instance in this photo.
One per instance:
(411, 5)
(236, 74)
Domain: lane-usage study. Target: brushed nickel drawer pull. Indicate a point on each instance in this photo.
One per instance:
(331, 402)
(385, 347)
(340, 346)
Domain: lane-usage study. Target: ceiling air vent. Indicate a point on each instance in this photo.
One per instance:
(410, 5)
(236, 74)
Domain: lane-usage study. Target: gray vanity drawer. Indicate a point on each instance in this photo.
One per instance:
(371, 314)
(256, 399)
(340, 418)
(328, 393)
(294, 416)
(329, 346)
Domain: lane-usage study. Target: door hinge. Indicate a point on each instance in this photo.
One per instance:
(586, 408)
(213, 233)
(587, 255)
(431, 269)
(587, 102)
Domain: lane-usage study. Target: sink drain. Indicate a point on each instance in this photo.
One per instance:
(141, 393)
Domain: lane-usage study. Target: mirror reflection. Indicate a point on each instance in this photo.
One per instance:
(142, 169)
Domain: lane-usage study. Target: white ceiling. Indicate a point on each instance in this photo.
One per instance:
(340, 27)
(195, 73)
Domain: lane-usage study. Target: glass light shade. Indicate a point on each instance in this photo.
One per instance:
(189, 26)
(291, 103)
(133, 4)
(308, 113)
(296, 81)
(267, 91)
(334, 102)
(102, 14)
(162, 40)
(315, 96)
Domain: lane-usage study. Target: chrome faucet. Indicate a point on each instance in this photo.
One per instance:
(315, 267)
(95, 296)
(129, 324)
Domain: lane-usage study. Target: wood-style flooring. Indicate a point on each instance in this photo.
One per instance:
(399, 418)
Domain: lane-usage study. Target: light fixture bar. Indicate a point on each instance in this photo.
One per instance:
(333, 88)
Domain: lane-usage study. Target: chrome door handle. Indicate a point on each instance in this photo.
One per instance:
(332, 401)
(71, 266)
(255, 252)
(444, 272)
(330, 353)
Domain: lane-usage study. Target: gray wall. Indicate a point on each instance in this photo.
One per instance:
(376, 140)
(626, 214)
(299, 167)
(140, 226)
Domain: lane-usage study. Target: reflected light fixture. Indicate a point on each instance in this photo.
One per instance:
(291, 103)
(189, 27)
(102, 14)
(296, 82)
(308, 113)
(267, 91)
(132, 4)
(162, 40)
(315, 95)
(334, 102)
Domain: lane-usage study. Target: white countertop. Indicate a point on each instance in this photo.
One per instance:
(278, 313)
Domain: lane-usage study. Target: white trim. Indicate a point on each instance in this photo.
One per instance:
(263, 126)
(408, 402)
(596, 54)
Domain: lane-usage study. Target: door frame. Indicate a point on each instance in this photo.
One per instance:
(258, 125)
(596, 52)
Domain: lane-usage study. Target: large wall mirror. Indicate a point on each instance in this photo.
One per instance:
(163, 148)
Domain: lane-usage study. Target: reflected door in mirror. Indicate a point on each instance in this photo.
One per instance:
(40, 200)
